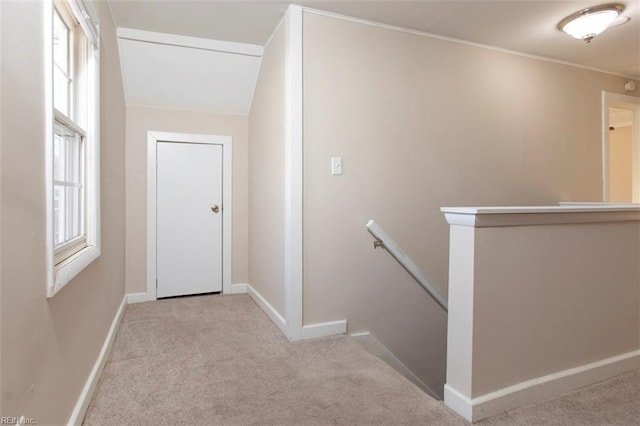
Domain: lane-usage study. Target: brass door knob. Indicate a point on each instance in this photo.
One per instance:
(215, 209)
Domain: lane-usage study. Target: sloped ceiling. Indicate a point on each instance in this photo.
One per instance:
(170, 71)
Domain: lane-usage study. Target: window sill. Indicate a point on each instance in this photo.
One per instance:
(66, 271)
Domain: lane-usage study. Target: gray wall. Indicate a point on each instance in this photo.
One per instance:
(423, 123)
(49, 346)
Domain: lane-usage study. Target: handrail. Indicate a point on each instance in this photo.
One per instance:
(383, 240)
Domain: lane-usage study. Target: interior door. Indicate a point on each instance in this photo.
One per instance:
(620, 156)
(189, 218)
(621, 148)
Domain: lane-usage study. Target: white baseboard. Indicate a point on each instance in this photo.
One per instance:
(323, 329)
(376, 348)
(79, 411)
(268, 309)
(239, 288)
(540, 388)
(458, 403)
(138, 298)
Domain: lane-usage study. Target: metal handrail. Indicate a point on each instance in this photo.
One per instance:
(383, 240)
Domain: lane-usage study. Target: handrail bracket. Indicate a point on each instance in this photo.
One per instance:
(378, 243)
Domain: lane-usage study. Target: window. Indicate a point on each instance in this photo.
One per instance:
(61, 69)
(69, 234)
(72, 145)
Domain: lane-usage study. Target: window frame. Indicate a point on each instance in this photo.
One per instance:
(69, 259)
(67, 21)
(71, 246)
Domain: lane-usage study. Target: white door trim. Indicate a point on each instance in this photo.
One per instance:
(153, 138)
(627, 102)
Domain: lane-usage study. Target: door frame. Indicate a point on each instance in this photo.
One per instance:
(617, 100)
(153, 137)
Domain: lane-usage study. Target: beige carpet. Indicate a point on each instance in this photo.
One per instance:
(614, 402)
(218, 360)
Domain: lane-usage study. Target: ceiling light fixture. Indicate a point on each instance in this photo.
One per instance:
(588, 23)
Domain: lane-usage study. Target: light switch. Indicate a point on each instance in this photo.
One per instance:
(336, 165)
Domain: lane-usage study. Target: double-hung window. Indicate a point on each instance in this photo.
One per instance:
(72, 145)
(69, 187)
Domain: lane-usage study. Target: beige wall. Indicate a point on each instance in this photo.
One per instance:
(620, 165)
(266, 176)
(49, 346)
(140, 120)
(570, 293)
(540, 303)
(423, 123)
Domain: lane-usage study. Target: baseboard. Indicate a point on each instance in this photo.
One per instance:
(323, 329)
(79, 411)
(540, 388)
(267, 309)
(376, 348)
(239, 288)
(458, 403)
(138, 298)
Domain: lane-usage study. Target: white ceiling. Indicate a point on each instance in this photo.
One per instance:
(182, 72)
(518, 25)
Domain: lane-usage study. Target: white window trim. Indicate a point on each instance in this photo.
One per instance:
(59, 275)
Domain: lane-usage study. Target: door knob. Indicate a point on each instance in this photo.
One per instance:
(215, 209)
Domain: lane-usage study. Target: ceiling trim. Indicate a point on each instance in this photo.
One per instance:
(459, 41)
(191, 42)
(212, 111)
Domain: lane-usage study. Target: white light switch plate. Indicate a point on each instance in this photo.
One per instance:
(336, 165)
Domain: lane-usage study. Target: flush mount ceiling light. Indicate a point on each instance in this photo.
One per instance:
(588, 23)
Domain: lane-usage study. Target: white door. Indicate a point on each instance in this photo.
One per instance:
(189, 218)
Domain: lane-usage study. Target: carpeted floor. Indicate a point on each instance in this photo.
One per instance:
(614, 402)
(213, 360)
